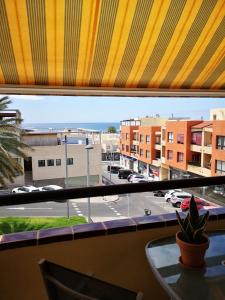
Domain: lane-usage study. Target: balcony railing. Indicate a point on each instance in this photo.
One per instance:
(76, 193)
(93, 247)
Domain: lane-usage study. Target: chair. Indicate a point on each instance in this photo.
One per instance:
(65, 284)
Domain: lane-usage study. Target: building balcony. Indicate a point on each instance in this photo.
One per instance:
(112, 250)
(206, 172)
(207, 149)
(194, 167)
(135, 142)
(157, 147)
(134, 154)
(156, 162)
(196, 148)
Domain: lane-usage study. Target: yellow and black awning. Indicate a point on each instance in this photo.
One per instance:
(124, 45)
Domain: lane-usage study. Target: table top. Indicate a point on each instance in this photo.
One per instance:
(181, 282)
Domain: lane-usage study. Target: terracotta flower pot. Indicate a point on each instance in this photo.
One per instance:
(192, 255)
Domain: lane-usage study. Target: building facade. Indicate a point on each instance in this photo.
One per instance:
(61, 158)
(176, 149)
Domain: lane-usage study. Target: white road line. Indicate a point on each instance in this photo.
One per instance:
(23, 208)
(81, 215)
(118, 214)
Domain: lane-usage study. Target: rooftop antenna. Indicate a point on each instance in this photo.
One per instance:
(172, 116)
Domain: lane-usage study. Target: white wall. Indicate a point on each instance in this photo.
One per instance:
(77, 152)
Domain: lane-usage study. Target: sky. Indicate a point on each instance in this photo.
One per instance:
(68, 109)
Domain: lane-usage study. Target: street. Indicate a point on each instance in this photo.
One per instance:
(102, 208)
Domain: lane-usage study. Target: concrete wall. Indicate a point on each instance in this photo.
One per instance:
(118, 258)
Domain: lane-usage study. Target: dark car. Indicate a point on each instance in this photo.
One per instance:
(159, 193)
(114, 169)
(124, 173)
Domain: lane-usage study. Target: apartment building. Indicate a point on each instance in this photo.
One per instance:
(177, 149)
(140, 145)
(53, 156)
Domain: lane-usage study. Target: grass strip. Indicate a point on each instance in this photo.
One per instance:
(19, 224)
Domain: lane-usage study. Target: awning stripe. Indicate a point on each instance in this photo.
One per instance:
(37, 27)
(7, 58)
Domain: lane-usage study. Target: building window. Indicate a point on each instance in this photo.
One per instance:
(123, 147)
(147, 154)
(220, 167)
(169, 154)
(70, 161)
(180, 138)
(141, 138)
(58, 162)
(50, 162)
(141, 152)
(127, 136)
(127, 148)
(220, 142)
(170, 137)
(196, 138)
(147, 139)
(180, 156)
(41, 163)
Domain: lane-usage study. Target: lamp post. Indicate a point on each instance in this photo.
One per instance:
(88, 148)
(66, 179)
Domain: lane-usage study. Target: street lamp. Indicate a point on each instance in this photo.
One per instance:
(88, 148)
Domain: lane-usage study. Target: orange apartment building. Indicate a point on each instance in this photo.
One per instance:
(218, 148)
(140, 145)
(179, 149)
(128, 149)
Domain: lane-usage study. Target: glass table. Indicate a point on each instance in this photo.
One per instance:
(181, 282)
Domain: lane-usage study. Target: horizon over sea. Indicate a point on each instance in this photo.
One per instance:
(100, 126)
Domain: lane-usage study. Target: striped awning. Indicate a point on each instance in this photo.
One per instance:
(144, 47)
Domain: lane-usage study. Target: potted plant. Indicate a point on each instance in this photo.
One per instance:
(192, 240)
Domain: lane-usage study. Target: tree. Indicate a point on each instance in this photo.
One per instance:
(111, 129)
(11, 147)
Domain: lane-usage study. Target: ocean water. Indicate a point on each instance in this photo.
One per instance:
(61, 126)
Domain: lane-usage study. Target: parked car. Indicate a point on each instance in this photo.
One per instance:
(124, 173)
(51, 187)
(201, 203)
(178, 197)
(169, 194)
(129, 176)
(159, 193)
(219, 190)
(114, 169)
(136, 177)
(25, 189)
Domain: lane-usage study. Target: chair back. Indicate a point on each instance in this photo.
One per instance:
(66, 284)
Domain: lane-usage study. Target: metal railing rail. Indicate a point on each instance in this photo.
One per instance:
(75, 193)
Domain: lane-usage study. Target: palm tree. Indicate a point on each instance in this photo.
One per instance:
(111, 129)
(11, 147)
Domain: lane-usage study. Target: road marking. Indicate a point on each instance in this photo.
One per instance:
(118, 214)
(23, 208)
(80, 215)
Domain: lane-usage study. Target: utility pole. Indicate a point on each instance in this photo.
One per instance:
(66, 179)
